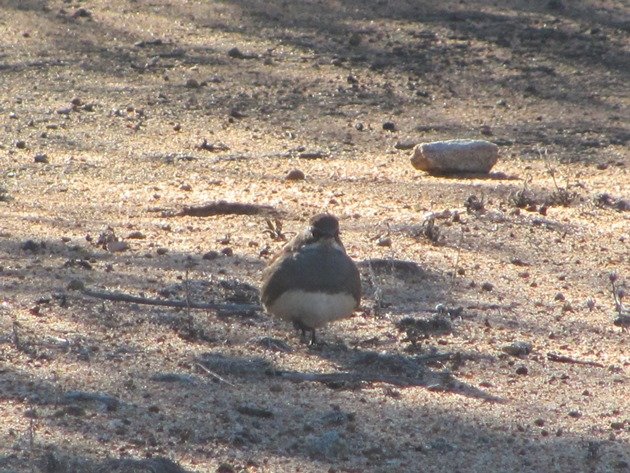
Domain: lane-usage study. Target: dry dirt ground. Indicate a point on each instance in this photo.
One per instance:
(121, 113)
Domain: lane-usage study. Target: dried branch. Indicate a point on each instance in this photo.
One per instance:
(568, 359)
(243, 309)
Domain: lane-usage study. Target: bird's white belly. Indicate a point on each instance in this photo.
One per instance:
(313, 309)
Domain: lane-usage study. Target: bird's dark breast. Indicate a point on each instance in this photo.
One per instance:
(318, 269)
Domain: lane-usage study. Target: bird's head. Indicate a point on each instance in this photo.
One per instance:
(324, 226)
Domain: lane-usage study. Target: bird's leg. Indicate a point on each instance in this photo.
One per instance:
(301, 327)
(313, 339)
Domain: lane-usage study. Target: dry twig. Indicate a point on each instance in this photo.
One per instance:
(568, 359)
(241, 309)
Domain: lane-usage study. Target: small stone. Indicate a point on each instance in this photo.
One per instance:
(225, 468)
(82, 13)
(518, 262)
(312, 155)
(517, 348)
(136, 235)
(31, 245)
(186, 187)
(559, 297)
(384, 241)
(539, 422)
(76, 285)
(486, 286)
(173, 378)
(455, 156)
(355, 39)
(210, 255)
(13, 116)
(617, 425)
(405, 144)
(575, 414)
(64, 111)
(192, 84)
(238, 54)
(254, 411)
(486, 130)
(555, 5)
(117, 246)
(389, 126)
(522, 370)
(295, 175)
(328, 445)
(161, 251)
(227, 251)
(41, 158)
(20, 144)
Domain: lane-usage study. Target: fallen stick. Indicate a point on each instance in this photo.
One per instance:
(568, 359)
(121, 297)
(222, 207)
(350, 378)
(213, 374)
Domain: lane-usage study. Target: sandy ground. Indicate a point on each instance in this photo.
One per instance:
(121, 113)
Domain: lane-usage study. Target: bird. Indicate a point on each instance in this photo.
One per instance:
(312, 281)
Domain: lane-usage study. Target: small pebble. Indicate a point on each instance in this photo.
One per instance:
(227, 251)
(192, 84)
(405, 144)
(210, 255)
(486, 286)
(161, 251)
(137, 235)
(522, 370)
(116, 246)
(389, 126)
(41, 158)
(30, 245)
(295, 175)
(384, 241)
(82, 13)
(517, 348)
(76, 285)
(20, 144)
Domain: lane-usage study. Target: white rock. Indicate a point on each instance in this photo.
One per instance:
(455, 156)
